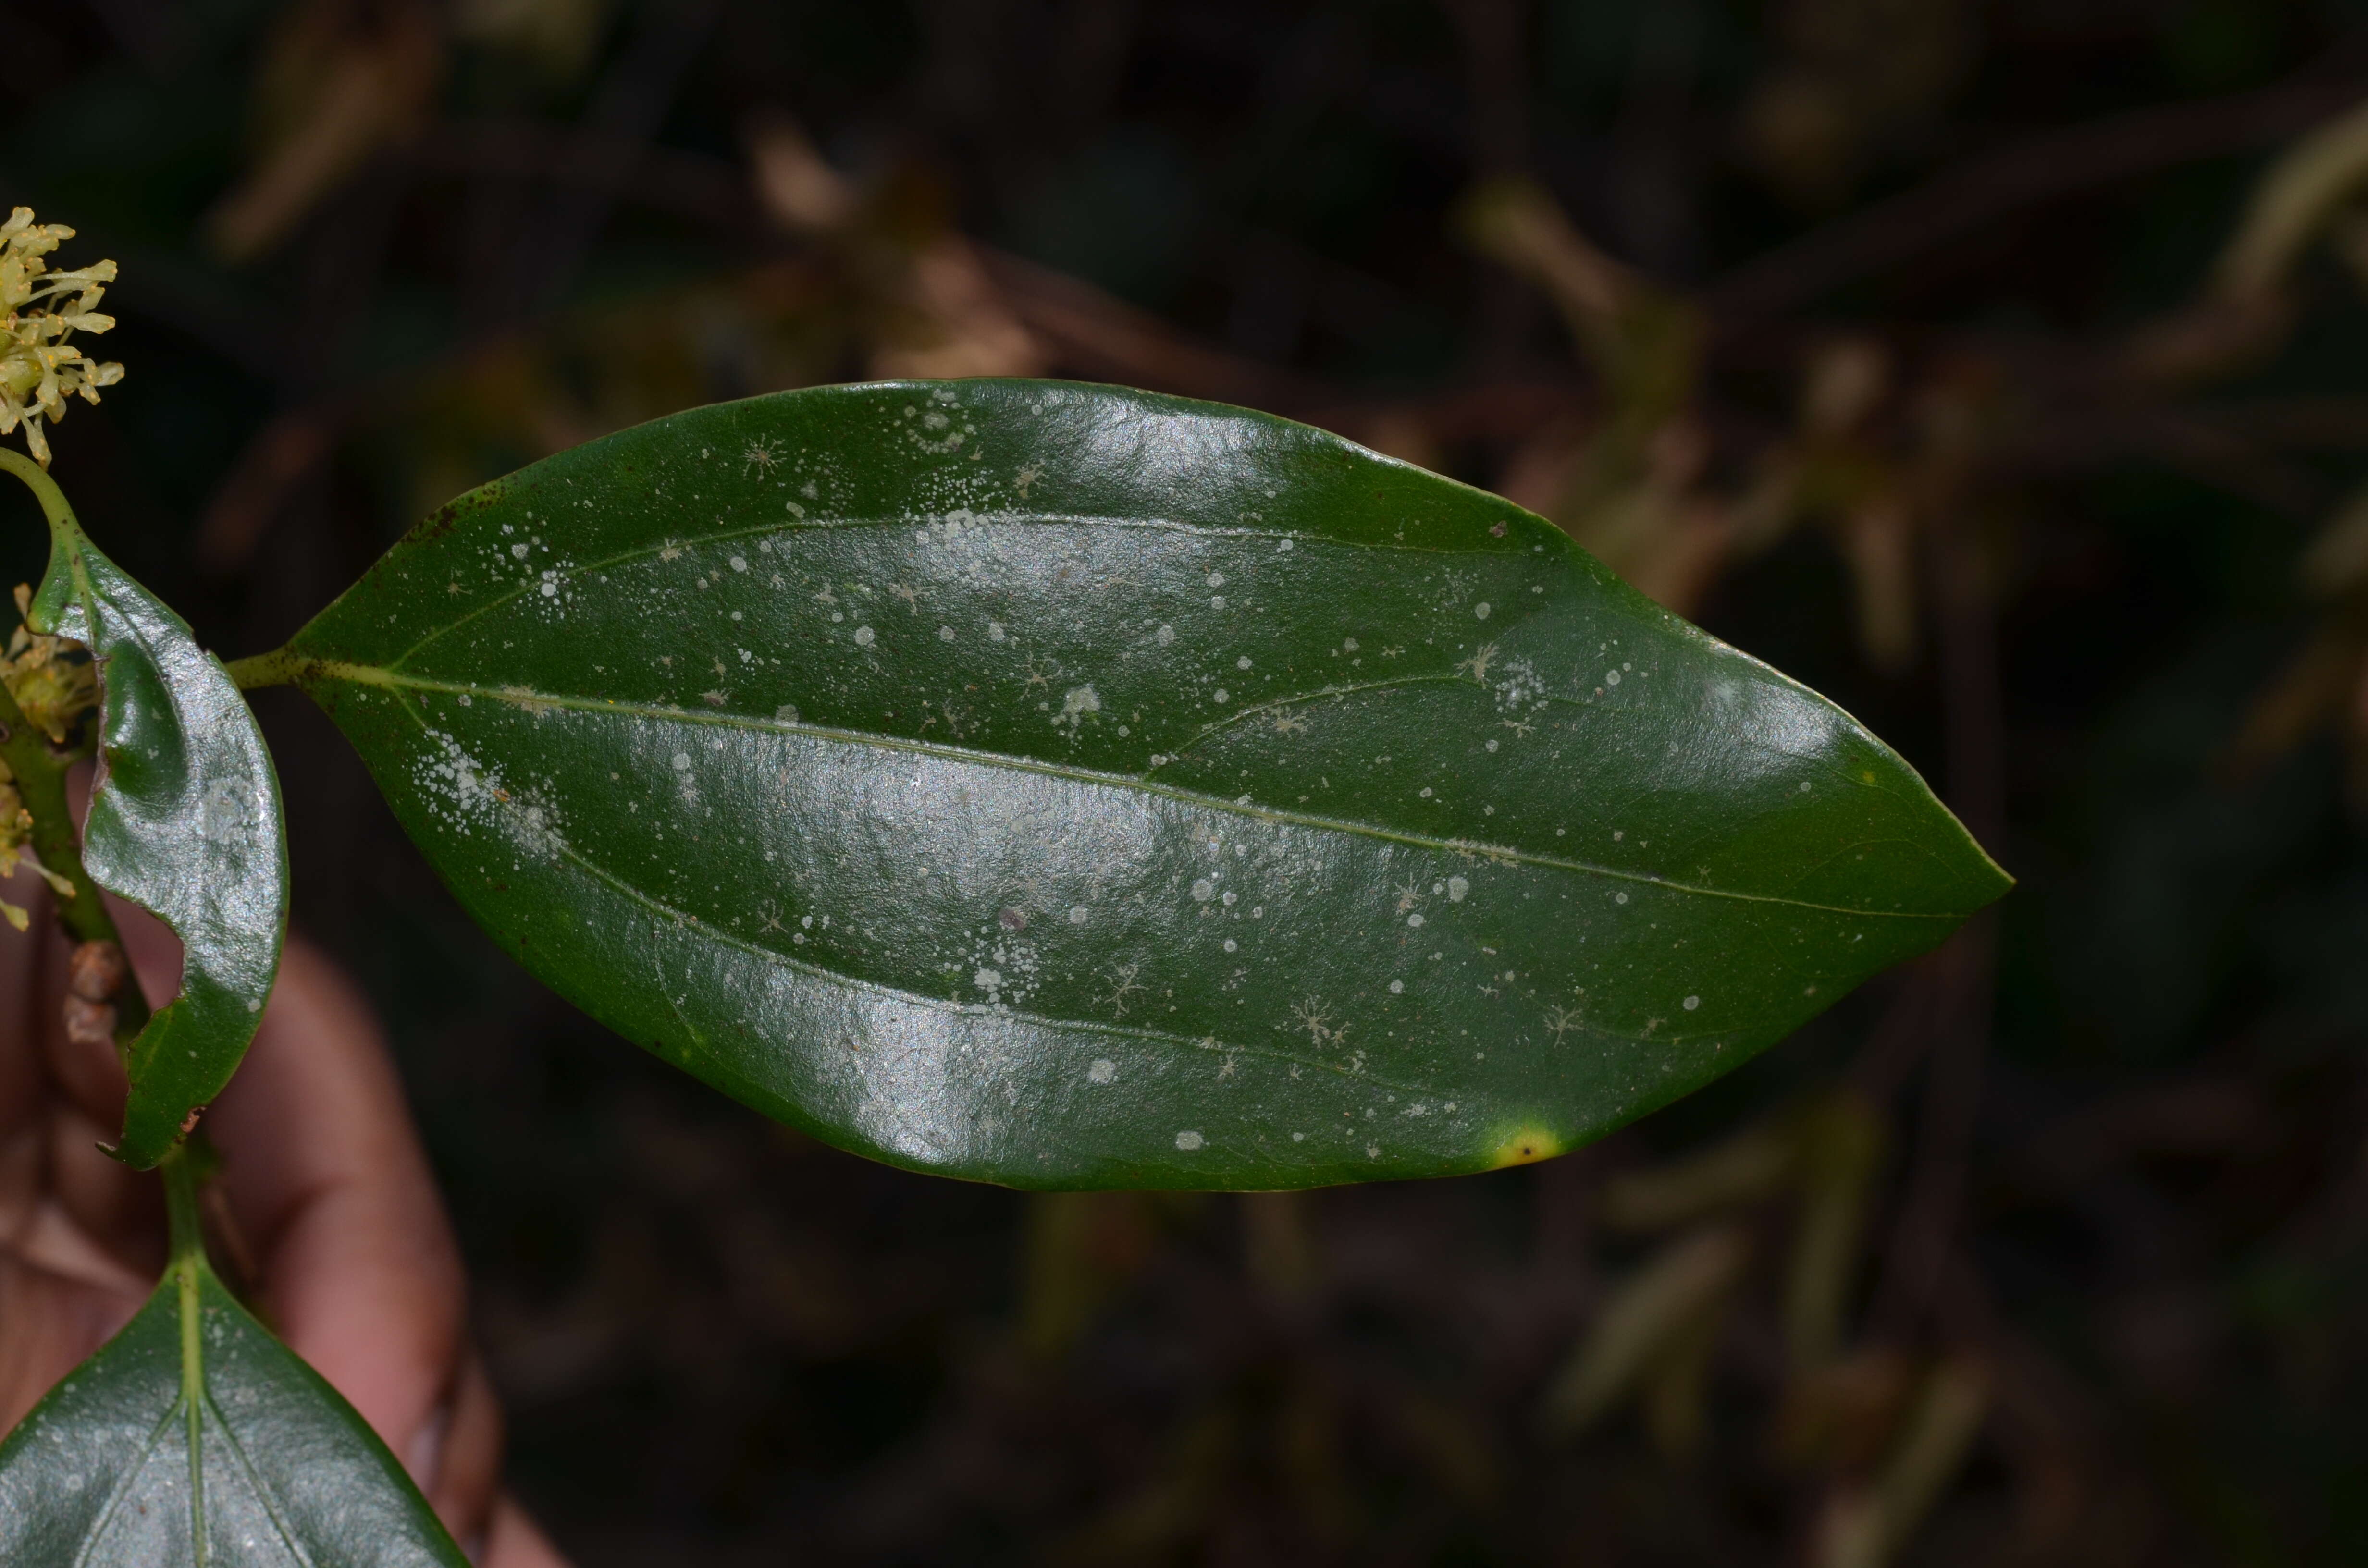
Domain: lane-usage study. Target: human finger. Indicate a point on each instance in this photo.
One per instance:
(356, 1266)
(458, 1457)
(65, 1091)
(23, 1072)
(515, 1540)
(55, 1321)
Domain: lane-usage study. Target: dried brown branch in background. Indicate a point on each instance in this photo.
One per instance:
(2015, 178)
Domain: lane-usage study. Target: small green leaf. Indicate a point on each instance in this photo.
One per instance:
(193, 1437)
(1069, 786)
(183, 821)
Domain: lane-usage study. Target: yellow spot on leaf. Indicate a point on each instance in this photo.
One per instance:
(1526, 1146)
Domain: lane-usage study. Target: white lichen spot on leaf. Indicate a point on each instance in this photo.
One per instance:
(1316, 1016)
(1076, 704)
(1123, 984)
(1478, 662)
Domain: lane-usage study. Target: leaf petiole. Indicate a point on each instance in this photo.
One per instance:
(185, 1272)
(279, 668)
(182, 1211)
(45, 490)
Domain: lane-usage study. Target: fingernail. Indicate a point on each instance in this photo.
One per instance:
(426, 1455)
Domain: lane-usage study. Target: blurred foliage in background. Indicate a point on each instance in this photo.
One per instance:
(1997, 366)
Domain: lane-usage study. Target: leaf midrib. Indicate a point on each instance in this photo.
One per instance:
(922, 999)
(996, 519)
(378, 675)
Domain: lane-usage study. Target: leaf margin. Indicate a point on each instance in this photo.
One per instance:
(86, 596)
(316, 673)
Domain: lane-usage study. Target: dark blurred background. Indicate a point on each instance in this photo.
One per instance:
(1999, 367)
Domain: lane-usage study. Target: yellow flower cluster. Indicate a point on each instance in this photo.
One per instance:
(54, 684)
(16, 828)
(52, 678)
(39, 370)
(15, 849)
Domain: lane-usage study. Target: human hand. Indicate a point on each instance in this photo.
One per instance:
(322, 1180)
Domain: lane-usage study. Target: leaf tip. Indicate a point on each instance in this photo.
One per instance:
(1998, 880)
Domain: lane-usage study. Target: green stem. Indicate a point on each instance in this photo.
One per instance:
(180, 1173)
(187, 1271)
(45, 489)
(41, 775)
(279, 668)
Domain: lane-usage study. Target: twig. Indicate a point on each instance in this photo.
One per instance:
(40, 772)
(277, 459)
(626, 111)
(1899, 1035)
(1100, 334)
(41, 779)
(1966, 634)
(688, 184)
(2227, 455)
(2045, 168)
(1496, 83)
(2339, 423)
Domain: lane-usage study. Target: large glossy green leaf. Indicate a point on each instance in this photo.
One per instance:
(1071, 787)
(194, 1438)
(184, 821)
